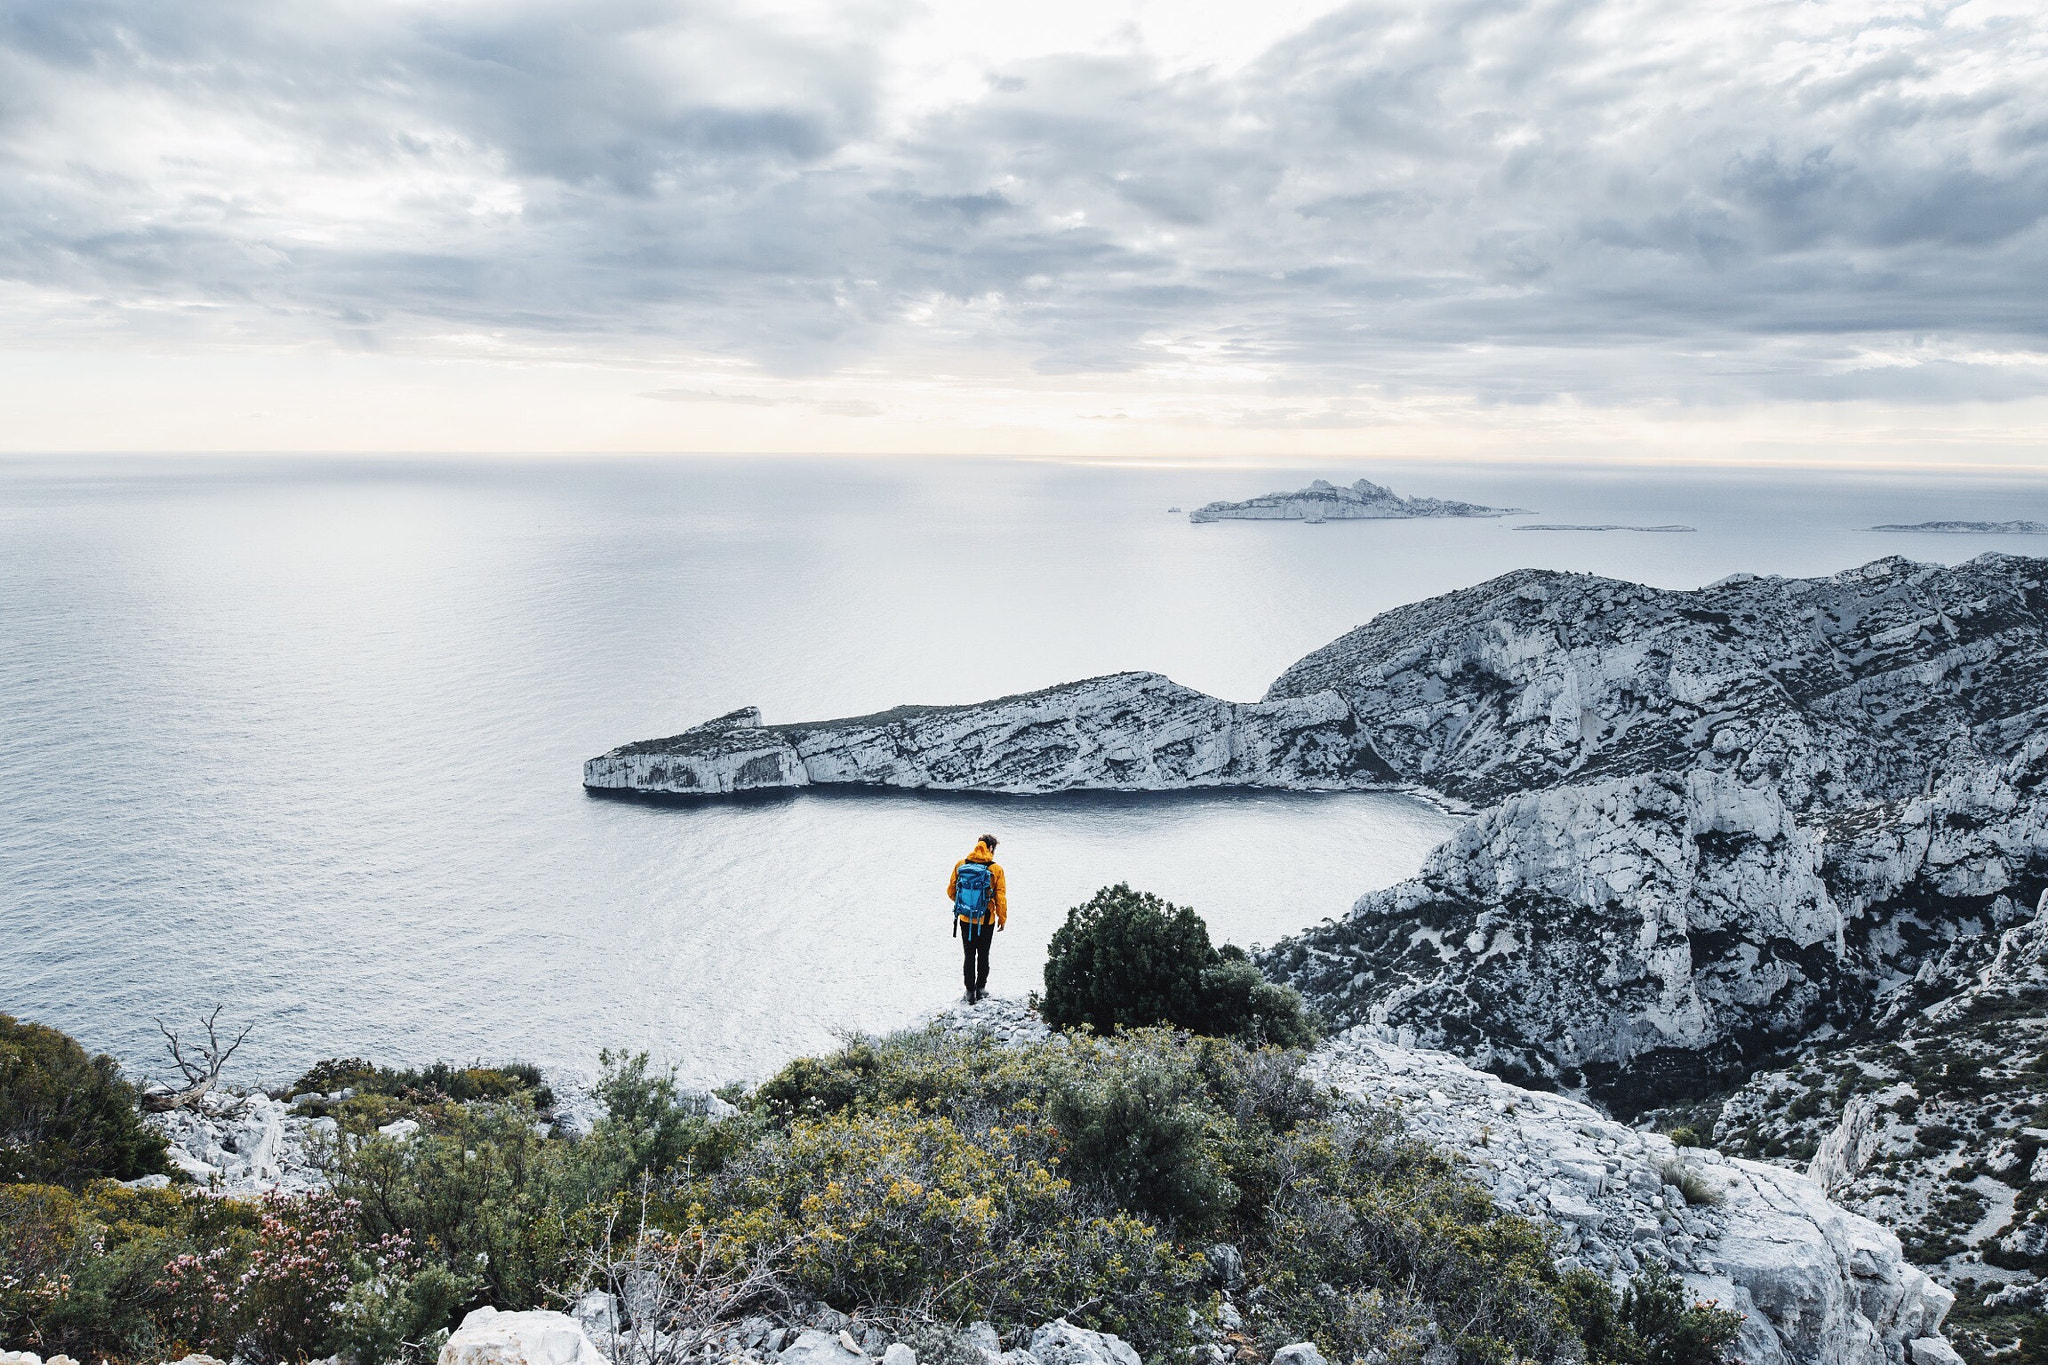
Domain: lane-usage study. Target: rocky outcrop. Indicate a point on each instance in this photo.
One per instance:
(1725, 819)
(1930, 1123)
(539, 1337)
(1817, 1285)
(1126, 732)
(1974, 528)
(245, 1145)
(1325, 501)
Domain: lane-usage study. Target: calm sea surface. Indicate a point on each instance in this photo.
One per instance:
(304, 738)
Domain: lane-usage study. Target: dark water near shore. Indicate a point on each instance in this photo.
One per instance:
(304, 737)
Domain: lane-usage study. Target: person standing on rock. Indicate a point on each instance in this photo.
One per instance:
(981, 909)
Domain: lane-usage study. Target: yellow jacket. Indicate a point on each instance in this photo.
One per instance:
(999, 900)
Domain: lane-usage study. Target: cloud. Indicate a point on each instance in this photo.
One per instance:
(1614, 200)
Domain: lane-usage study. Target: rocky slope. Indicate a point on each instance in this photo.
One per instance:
(1816, 1283)
(1723, 819)
(1127, 732)
(1325, 501)
(1932, 1120)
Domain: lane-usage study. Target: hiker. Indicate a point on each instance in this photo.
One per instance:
(980, 911)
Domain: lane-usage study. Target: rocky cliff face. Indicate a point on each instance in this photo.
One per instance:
(1127, 732)
(1933, 1120)
(1724, 818)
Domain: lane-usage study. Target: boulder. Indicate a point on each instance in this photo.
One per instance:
(823, 1348)
(899, 1354)
(1226, 1265)
(538, 1337)
(1059, 1342)
(1300, 1353)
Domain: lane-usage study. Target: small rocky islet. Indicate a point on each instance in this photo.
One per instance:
(1764, 862)
(1324, 501)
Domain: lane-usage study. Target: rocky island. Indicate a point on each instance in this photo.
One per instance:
(1973, 528)
(1768, 855)
(1325, 501)
(1546, 526)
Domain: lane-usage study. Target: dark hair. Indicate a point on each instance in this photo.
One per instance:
(990, 840)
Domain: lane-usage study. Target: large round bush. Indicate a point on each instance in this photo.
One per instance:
(1128, 959)
(66, 1118)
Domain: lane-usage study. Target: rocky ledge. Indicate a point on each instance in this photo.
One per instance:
(1325, 501)
(1126, 732)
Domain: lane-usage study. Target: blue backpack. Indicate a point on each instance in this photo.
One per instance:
(973, 886)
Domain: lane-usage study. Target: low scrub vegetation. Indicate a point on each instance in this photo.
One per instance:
(925, 1180)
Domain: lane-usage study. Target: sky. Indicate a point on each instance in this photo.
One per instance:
(1775, 233)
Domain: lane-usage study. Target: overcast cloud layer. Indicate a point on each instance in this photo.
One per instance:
(1615, 200)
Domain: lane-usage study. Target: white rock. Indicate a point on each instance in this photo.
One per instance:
(899, 1354)
(1300, 1353)
(539, 1337)
(822, 1348)
(1126, 732)
(399, 1130)
(141, 1182)
(1817, 1284)
(1059, 1342)
(1934, 1351)
(20, 1358)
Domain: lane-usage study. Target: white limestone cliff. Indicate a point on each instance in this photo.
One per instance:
(1126, 732)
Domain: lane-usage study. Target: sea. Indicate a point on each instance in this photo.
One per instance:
(302, 738)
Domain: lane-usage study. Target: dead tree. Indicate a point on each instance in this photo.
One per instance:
(200, 1070)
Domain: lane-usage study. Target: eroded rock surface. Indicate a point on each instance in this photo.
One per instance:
(1724, 819)
(1816, 1283)
(1126, 732)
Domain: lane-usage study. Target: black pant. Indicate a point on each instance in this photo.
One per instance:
(974, 942)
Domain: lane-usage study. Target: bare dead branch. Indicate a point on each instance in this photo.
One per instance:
(201, 1072)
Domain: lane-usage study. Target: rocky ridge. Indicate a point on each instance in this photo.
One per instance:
(1126, 732)
(1325, 501)
(1720, 820)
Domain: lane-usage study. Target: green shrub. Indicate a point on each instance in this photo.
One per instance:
(66, 1118)
(481, 1193)
(1359, 1238)
(1144, 1134)
(1128, 959)
(890, 1207)
(439, 1082)
(650, 1127)
(1654, 1322)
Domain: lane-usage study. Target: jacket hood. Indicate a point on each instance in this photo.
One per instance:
(981, 853)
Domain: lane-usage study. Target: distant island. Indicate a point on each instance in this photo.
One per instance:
(1541, 526)
(1974, 528)
(1362, 501)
